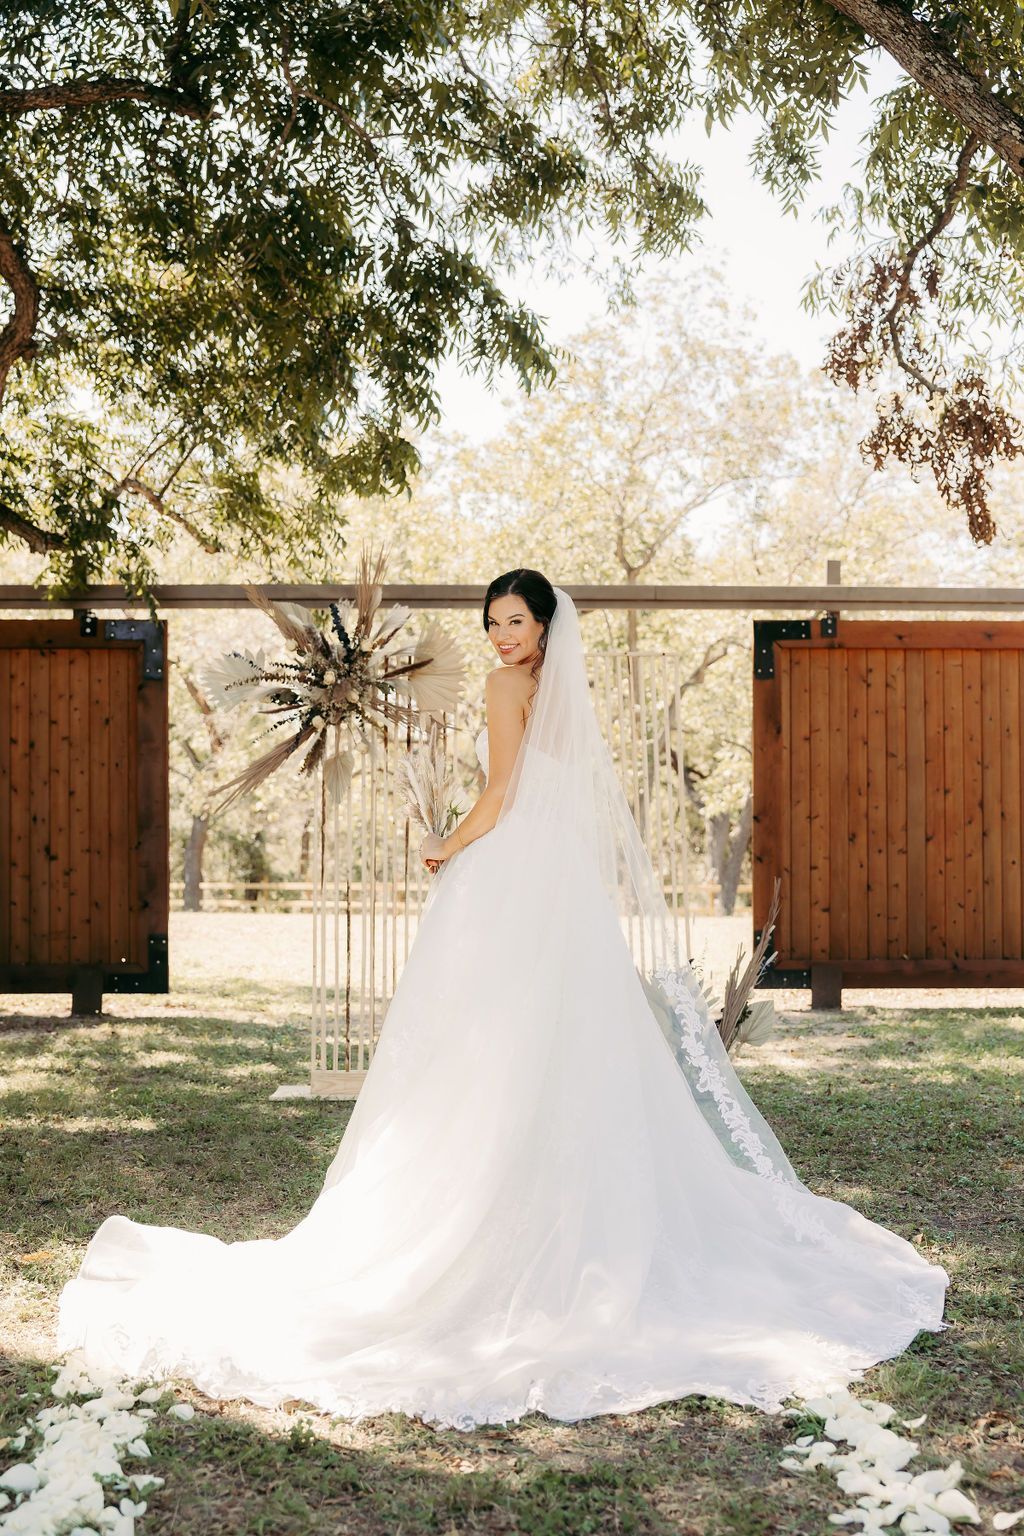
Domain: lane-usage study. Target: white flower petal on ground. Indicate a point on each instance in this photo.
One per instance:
(21, 1478)
(1006, 1518)
(874, 1468)
(182, 1411)
(145, 1482)
(938, 1478)
(77, 1449)
(957, 1506)
(885, 1445)
(857, 1480)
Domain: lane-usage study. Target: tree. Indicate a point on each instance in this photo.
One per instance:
(667, 412)
(757, 481)
(251, 233)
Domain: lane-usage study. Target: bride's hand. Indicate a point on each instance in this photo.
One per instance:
(432, 851)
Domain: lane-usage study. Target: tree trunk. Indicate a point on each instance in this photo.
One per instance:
(927, 59)
(192, 900)
(725, 852)
(255, 870)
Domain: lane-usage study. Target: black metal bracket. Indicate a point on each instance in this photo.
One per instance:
(775, 976)
(766, 632)
(155, 979)
(88, 623)
(152, 637)
(830, 624)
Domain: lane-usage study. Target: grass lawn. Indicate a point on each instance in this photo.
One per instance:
(161, 1110)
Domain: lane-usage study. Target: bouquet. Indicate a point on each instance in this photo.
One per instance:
(432, 800)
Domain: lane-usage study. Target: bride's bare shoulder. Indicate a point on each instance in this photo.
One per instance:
(508, 693)
(506, 682)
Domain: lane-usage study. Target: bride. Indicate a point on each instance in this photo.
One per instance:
(553, 1193)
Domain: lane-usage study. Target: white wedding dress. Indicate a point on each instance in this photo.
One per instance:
(553, 1193)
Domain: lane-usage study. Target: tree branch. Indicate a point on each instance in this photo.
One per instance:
(16, 338)
(927, 59)
(39, 540)
(208, 544)
(86, 93)
(954, 192)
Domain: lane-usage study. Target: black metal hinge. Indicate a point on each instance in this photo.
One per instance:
(775, 976)
(766, 632)
(155, 979)
(152, 636)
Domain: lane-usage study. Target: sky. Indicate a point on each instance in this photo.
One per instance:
(765, 253)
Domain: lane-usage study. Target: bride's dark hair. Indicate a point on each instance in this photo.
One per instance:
(536, 592)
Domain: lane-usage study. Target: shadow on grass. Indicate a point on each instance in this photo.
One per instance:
(699, 1467)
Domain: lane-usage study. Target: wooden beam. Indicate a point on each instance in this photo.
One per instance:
(752, 599)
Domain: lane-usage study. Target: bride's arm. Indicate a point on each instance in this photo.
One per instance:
(507, 694)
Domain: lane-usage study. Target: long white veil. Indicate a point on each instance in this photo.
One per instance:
(565, 780)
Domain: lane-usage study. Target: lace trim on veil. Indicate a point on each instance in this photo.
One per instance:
(793, 1200)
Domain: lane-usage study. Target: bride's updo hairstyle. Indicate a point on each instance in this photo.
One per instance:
(536, 592)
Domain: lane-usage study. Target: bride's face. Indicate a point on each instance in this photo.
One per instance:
(513, 630)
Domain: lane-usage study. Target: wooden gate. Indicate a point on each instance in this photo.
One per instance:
(888, 797)
(83, 807)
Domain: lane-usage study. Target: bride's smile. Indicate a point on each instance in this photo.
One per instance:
(513, 630)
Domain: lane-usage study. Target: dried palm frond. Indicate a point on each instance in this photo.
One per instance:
(435, 675)
(293, 622)
(254, 774)
(389, 638)
(232, 679)
(756, 1022)
(338, 769)
(369, 588)
(738, 988)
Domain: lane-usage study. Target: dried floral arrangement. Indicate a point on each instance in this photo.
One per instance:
(739, 1021)
(432, 800)
(349, 682)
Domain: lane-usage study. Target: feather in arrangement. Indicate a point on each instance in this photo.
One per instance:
(348, 683)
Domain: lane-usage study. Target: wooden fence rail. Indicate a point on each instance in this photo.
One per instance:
(297, 895)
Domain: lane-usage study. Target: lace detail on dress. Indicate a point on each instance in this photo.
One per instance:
(791, 1199)
(565, 1395)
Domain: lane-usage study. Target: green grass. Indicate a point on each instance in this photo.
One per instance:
(162, 1111)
